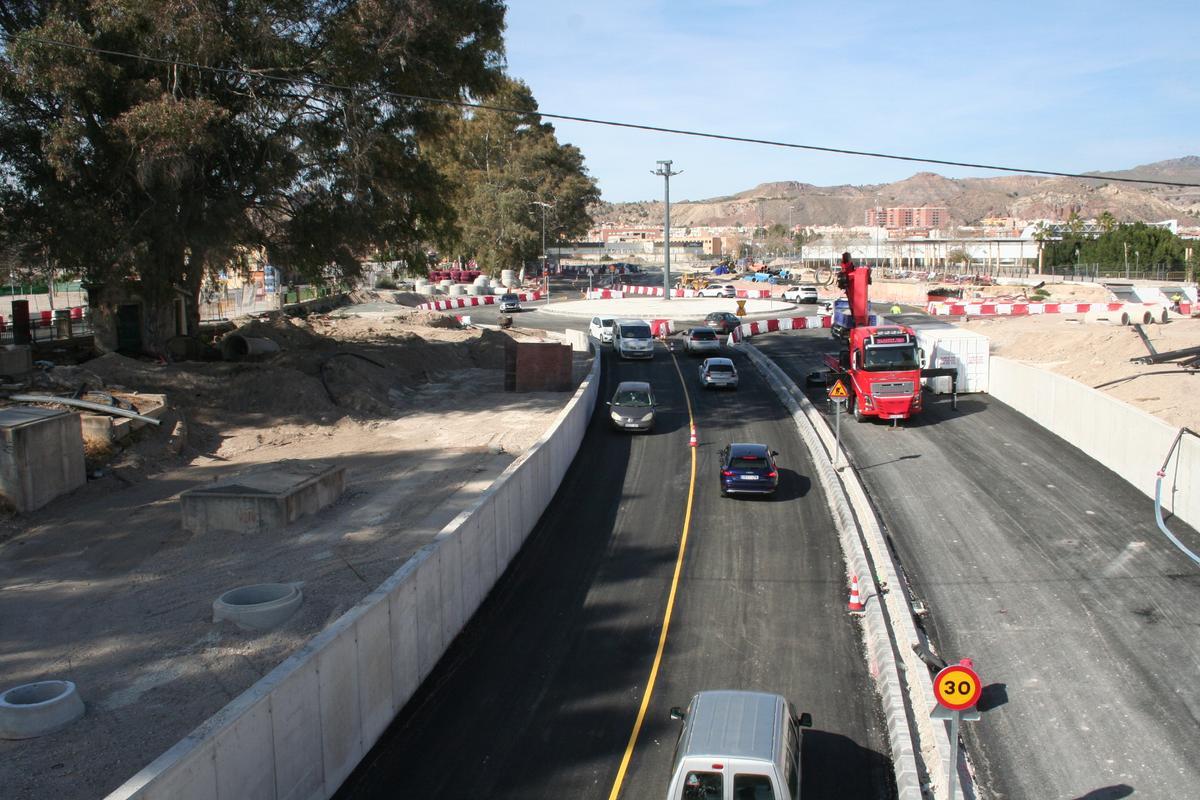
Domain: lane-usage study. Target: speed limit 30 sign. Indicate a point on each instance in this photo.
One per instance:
(957, 687)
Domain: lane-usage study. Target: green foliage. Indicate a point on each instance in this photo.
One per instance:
(958, 256)
(1145, 244)
(498, 165)
(385, 282)
(121, 168)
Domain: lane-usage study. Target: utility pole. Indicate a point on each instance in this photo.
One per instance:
(664, 169)
(545, 264)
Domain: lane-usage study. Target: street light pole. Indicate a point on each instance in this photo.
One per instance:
(664, 169)
(545, 263)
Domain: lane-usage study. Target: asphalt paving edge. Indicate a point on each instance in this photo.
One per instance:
(888, 628)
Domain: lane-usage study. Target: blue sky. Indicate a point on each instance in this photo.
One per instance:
(1052, 85)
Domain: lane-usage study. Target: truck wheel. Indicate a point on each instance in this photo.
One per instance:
(858, 415)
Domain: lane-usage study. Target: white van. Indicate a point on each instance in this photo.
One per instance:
(632, 338)
(737, 745)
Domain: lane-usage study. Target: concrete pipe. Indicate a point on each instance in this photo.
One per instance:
(236, 347)
(1147, 318)
(36, 709)
(259, 607)
(474, 289)
(1164, 317)
(457, 290)
(1125, 318)
(508, 277)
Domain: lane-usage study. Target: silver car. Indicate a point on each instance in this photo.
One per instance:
(718, 373)
(701, 340)
(632, 407)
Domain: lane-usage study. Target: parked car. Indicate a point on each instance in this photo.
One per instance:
(601, 328)
(748, 469)
(722, 321)
(632, 406)
(719, 290)
(801, 294)
(510, 302)
(701, 340)
(718, 372)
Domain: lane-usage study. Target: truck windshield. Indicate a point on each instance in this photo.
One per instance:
(881, 359)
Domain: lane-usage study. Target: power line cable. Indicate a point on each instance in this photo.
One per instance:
(587, 120)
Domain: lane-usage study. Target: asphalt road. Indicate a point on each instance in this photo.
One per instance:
(538, 696)
(1049, 571)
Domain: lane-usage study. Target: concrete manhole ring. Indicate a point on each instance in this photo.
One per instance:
(35, 709)
(259, 607)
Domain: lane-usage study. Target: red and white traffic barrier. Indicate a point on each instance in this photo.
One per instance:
(469, 301)
(754, 294)
(662, 328)
(748, 329)
(1022, 309)
(605, 294)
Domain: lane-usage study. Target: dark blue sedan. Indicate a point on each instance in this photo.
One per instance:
(748, 469)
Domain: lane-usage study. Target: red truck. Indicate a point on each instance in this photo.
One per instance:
(882, 363)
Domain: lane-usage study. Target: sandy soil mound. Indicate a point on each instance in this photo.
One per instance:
(1099, 355)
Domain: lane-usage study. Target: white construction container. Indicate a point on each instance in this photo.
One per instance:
(947, 346)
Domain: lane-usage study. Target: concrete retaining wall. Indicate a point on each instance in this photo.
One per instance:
(1128, 441)
(299, 731)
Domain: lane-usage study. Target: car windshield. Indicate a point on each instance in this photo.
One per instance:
(748, 462)
(509, 298)
(699, 334)
(636, 331)
(879, 359)
(725, 368)
(635, 398)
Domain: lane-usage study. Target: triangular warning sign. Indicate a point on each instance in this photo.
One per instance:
(838, 392)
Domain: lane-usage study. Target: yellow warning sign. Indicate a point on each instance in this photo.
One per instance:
(838, 392)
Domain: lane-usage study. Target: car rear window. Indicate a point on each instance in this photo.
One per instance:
(704, 335)
(606, 323)
(748, 462)
(725, 368)
(636, 331)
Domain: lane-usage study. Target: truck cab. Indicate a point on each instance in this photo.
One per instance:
(885, 372)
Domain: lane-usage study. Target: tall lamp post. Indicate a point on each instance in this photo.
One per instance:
(545, 263)
(664, 169)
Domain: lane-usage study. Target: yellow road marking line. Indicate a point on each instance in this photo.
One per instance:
(662, 637)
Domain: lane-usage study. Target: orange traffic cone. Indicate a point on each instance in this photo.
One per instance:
(692, 439)
(855, 605)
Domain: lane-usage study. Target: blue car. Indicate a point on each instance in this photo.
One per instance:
(748, 469)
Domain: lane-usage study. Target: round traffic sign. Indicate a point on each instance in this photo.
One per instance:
(957, 687)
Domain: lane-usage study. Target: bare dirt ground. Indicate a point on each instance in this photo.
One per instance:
(103, 586)
(1098, 354)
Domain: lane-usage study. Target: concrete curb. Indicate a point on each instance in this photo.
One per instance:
(902, 679)
(300, 730)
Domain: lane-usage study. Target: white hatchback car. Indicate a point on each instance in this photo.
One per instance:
(601, 328)
(719, 290)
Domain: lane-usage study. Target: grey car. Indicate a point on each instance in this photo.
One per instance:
(701, 340)
(718, 372)
(632, 407)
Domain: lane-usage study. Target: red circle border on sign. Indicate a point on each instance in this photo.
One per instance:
(958, 669)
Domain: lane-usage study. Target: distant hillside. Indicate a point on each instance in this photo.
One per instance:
(969, 200)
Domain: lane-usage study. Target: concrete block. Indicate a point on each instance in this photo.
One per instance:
(41, 456)
(471, 541)
(341, 723)
(245, 755)
(430, 643)
(373, 634)
(489, 546)
(402, 602)
(16, 360)
(296, 730)
(451, 578)
(262, 499)
(191, 778)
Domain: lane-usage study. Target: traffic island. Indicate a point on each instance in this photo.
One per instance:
(263, 499)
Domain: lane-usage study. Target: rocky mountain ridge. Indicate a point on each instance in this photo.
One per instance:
(969, 200)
